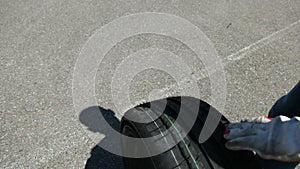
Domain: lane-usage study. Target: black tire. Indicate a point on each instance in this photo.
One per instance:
(188, 153)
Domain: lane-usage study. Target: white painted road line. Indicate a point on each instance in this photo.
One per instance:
(241, 53)
(262, 42)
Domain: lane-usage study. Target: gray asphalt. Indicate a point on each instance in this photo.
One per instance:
(258, 42)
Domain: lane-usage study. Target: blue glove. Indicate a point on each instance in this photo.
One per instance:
(277, 139)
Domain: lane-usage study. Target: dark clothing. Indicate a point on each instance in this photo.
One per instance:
(288, 105)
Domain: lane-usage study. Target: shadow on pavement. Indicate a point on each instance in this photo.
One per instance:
(100, 158)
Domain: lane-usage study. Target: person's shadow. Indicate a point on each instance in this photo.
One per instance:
(101, 158)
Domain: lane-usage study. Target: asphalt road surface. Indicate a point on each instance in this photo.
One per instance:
(40, 41)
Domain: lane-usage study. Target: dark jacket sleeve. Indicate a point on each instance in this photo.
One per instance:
(288, 105)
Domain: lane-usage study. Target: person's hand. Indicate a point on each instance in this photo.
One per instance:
(277, 139)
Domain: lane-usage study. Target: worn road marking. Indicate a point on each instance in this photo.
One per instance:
(240, 54)
(262, 42)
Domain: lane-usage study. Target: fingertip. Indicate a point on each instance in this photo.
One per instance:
(226, 137)
(231, 146)
(227, 145)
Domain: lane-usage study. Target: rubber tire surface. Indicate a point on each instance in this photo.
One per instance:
(188, 153)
